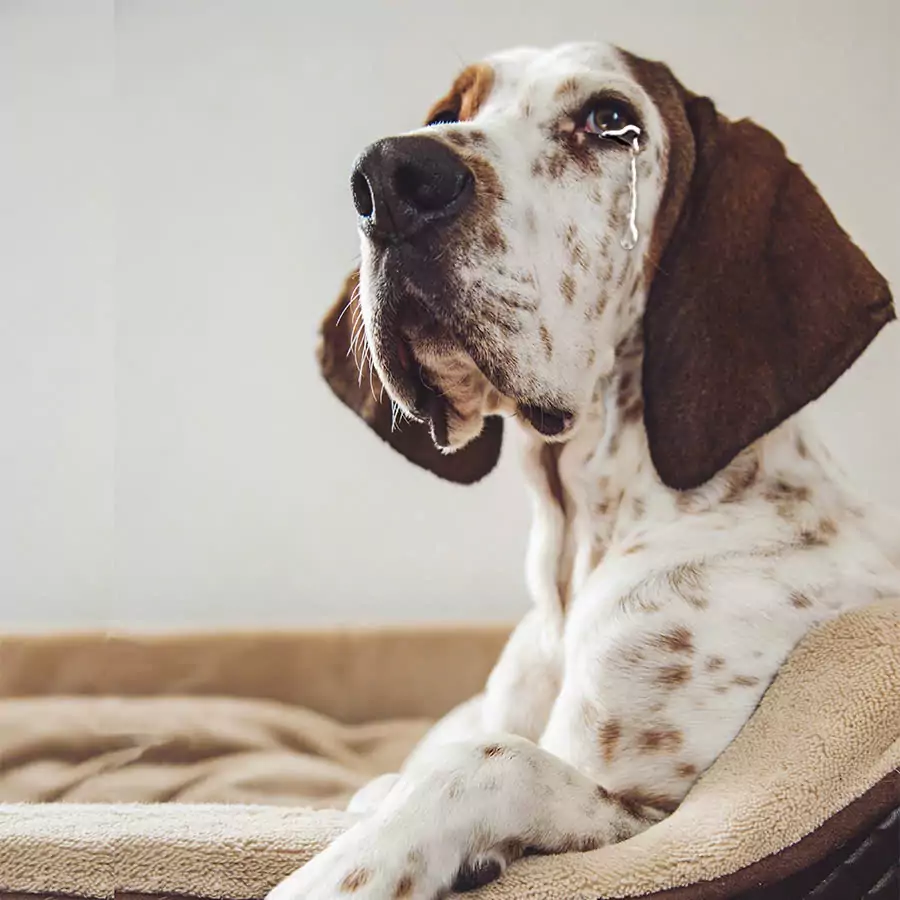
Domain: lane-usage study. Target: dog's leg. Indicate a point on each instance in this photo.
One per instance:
(517, 700)
(457, 815)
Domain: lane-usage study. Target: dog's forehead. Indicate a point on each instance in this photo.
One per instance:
(524, 69)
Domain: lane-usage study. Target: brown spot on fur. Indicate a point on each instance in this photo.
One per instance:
(745, 680)
(687, 581)
(537, 168)
(713, 663)
(634, 412)
(546, 340)
(567, 287)
(492, 750)
(636, 802)
(799, 600)
(821, 537)
(569, 86)
(456, 788)
(626, 389)
(591, 356)
(673, 676)
(404, 887)
(556, 164)
(355, 880)
(740, 480)
(636, 547)
(660, 740)
(610, 734)
(493, 239)
(685, 770)
(677, 640)
(786, 495)
(457, 138)
(802, 449)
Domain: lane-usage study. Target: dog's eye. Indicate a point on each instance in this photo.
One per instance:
(443, 117)
(608, 115)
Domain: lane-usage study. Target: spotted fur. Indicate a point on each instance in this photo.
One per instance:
(660, 615)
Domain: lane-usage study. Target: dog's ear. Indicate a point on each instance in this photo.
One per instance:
(759, 303)
(341, 359)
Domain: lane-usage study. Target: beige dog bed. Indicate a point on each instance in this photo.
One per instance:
(804, 803)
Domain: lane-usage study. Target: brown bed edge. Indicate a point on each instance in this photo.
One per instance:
(854, 855)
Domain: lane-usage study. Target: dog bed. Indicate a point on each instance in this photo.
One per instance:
(252, 736)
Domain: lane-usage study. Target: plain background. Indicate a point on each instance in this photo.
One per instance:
(175, 218)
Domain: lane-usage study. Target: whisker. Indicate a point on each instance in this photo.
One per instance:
(341, 316)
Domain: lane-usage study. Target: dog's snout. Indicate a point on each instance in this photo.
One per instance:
(402, 184)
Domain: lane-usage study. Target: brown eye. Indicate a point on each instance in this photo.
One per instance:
(443, 117)
(608, 115)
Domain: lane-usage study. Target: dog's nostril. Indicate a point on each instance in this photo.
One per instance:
(429, 191)
(362, 194)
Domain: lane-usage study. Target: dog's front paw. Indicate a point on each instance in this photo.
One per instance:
(365, 864)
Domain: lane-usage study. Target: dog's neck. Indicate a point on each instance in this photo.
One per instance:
(598, 494)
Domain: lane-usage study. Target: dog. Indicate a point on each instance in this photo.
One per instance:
(577, 247)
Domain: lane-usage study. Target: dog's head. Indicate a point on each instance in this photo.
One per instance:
(495, 279)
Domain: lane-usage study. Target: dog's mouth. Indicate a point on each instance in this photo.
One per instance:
(440, 382)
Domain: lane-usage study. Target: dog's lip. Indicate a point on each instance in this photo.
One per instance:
(545, 420)
(430, 404)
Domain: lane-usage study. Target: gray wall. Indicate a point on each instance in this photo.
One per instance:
(174, 218)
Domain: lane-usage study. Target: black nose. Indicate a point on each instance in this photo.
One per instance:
(402, 184)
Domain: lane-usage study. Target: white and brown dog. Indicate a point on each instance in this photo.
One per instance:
(688, 531)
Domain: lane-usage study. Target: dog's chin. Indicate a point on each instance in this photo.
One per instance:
(453, 396)
(451, 393)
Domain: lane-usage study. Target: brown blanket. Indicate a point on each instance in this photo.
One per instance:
(827, 731)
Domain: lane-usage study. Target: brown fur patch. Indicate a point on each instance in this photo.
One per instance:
(634, 412)
(492, 750)
(688, 582)
(685, 770)
(745, 680)
(740, 480)
(660, 740)
(567, 288)
(404, 887)
(493, 239)
(556, 164)
(673, 676)
(676, 640)
(820, 536)
(355, 880)
(610, 734)
(565, 88)
(713, 663)
(546, 340)
(799, 600)
(635, 802)
(636, 547)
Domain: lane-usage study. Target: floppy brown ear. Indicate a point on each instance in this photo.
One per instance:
(340, 360)
(760, 302)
